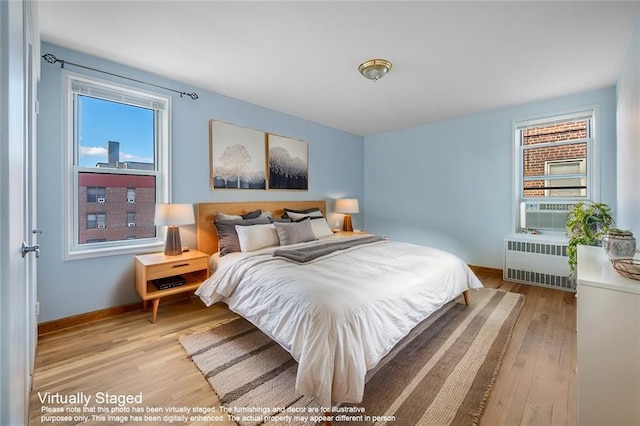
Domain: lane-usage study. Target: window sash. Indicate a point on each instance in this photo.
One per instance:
(92, 221)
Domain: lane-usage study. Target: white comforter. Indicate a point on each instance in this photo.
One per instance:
(340, 314)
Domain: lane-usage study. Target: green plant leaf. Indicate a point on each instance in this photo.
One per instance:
(587, 223)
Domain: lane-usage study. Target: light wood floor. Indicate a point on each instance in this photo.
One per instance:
(127, 355)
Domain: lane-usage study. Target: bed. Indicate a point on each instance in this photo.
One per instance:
(338, 314)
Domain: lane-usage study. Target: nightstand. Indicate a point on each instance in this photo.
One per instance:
(192, 265)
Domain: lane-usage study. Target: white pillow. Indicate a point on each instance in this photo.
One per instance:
(321, 228)
(255, 237)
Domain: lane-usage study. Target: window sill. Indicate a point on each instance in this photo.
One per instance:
(89, 253)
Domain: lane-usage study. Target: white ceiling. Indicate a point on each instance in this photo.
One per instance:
(301, 57)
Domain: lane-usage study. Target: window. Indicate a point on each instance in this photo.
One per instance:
(117, 166)
(569, 187)
(554, 166)
(96, 221)
(131, 219)
(95, 194)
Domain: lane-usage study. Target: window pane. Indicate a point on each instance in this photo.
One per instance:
(566, 186)
(92, 194)
(559, 132)
(566, 159)
(114, 135)
(91, 221)
(105, 221)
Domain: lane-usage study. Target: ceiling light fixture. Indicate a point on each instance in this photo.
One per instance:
(375, 69)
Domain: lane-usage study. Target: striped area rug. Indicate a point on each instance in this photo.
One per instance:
(440, 374)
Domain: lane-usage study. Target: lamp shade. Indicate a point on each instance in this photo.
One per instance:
(347, 205)
(174, 214)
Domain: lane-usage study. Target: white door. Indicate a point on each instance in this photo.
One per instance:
(31, 230)
(18, 70)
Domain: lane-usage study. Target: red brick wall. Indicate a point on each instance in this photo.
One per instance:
(116, 208)
(534, 159)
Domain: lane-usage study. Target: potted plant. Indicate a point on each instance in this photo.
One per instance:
(587, 224)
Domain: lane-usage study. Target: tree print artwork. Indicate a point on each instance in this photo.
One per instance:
(288, 168)
(237, 157)
(235, 162)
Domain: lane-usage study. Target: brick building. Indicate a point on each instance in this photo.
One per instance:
(112, 206)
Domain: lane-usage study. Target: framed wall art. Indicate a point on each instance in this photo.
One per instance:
(237, 156)
(287, 163)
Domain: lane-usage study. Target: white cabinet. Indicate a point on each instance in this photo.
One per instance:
(608, 342)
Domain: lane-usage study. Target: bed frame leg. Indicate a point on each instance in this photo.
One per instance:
(326, 415)
(466, 297)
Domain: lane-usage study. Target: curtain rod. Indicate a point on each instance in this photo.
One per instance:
(51, 58)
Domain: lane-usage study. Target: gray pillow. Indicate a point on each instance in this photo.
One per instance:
(294, 232)
(228, 237)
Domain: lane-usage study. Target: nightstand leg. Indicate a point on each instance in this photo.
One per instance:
(154, 316)
(144, 305)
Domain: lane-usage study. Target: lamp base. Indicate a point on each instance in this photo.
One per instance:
(346, 223)
(173, 245)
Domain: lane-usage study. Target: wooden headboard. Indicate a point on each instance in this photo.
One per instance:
(206, 234)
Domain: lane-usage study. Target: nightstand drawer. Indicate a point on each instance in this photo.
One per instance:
(176, 268)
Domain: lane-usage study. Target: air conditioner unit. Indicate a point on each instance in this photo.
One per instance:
(100, 200)
(538, 260)
(549, 216)
(131, 224)
(131, 200)
(100, 226)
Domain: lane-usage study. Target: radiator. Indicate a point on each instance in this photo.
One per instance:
(537, 260)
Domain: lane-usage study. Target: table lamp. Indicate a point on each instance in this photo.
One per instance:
(347, 206)
(172, 215)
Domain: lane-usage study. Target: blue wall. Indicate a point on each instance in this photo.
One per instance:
(449, 184)
(66, 288)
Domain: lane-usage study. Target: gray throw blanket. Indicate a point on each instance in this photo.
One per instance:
(313, 251)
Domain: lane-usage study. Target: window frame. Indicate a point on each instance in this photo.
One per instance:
(162, 149)
(592, 193)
